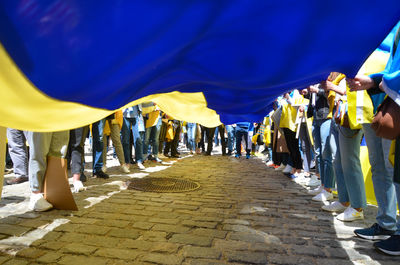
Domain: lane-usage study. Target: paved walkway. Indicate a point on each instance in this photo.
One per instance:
(244, 213)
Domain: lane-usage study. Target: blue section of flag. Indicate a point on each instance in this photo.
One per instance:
(241, 54)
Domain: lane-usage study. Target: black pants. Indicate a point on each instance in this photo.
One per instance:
(210, 132)
(76, 144)
(202, 133)
(173, 145)
(293, 146)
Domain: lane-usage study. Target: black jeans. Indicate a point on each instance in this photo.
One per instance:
(210, 137)
(293, 146)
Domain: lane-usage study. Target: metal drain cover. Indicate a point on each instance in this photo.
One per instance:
(152, 184)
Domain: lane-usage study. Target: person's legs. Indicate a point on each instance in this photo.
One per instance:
(210, 132)
(316, 132)
(306, 147)
(116, 139)
(125, 137)
(221, 130)
(97, 133)
(349, 142)
(326, 154)
(293, 146)
(175, 141)
(39, 146)
(231, 138)
(239, 135)
(382, 178)
(137, 141)
(19, 155)
(343, 195)
(191, 132)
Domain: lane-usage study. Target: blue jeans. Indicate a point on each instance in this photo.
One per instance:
(321, 130)
(191, 133)
(42, 145)
(239, 134)
(385, 189)
(97, 135)
(152, 135)
(305, 147)
(231, 137)
(350, 184)
(137, 138)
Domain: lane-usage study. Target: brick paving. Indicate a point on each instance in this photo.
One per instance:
(243, 213)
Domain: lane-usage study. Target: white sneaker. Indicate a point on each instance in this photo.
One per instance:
(350, 214)
(287, 169)
(335, 206)
(270, 163)
(140, 165)
(104, 169)
(78, 186)
(125, 168)
(313, 181)
(281, 167)
(323, 196)
(316, 190)
(38, 203)
(301, 178)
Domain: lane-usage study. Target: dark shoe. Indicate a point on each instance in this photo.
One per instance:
(100, 174)
(83, 177)
(375, 232)
(390, 246)
(175, 156)
(17, 180)
(229, 153)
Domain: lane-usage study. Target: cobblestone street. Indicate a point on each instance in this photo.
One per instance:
(243, 213)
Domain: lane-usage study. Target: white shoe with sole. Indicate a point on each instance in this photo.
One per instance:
(140, 165)
(125, 168)
(313, 181)
(323, 196)
(335, 206)
(281, 167)
(287, 169)
(38, 203)
(350, 214)
(316, 190)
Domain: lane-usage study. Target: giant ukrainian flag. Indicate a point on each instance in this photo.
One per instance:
(66, 63)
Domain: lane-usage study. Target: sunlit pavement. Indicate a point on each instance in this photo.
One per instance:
(243, 213)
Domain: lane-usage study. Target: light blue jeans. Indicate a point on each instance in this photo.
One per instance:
(42, 145)
(231, 137)
(350, 183)
(137, 138)
(321, 130)
(385, 189)
(191, 133)
(151, 138)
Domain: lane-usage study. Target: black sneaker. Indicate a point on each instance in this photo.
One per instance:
(375, 232)
(390, 246)
(83, 177)
(100, 174)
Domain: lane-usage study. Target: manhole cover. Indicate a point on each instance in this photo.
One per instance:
(162, 185)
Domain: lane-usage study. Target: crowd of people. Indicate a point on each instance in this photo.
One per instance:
(319, 127)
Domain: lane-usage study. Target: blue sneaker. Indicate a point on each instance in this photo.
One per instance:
(375, 232)
(237, 155)
(390, 246)
(247, 156)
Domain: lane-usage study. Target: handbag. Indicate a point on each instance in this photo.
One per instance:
(386, 122)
